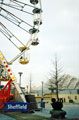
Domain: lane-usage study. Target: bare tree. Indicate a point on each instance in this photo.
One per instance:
(55, 77)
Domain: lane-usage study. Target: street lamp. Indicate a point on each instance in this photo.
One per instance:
(30, 83)
(27, 89)
(42, 88)
(20, 74)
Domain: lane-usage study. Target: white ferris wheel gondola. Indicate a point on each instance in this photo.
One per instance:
(24, 59)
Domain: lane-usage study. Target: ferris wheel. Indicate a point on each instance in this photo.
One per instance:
(31, 8)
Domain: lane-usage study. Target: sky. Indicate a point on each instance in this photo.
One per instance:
(59, 34)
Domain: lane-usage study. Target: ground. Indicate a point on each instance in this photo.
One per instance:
(25, 116)
(71, 109)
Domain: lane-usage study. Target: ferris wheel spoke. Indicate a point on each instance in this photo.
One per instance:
(21, 3)
(9, 35)
(19, 20)
(14, 19)
(3, 32)
(20, 8)
(14, 23)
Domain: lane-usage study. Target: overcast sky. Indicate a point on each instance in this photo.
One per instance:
(59, 34)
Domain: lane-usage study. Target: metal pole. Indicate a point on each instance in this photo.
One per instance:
(30, 83)
(0, 82)
(42, 88)
(27, 89)
(20, 74)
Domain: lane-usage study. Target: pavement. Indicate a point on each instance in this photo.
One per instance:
(5, 117)
(72, 111)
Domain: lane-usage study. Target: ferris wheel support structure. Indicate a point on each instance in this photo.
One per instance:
(12, 76)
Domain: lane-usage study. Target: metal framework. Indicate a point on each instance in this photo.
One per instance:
(18, 5)
(14, 19)
(69, 82)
